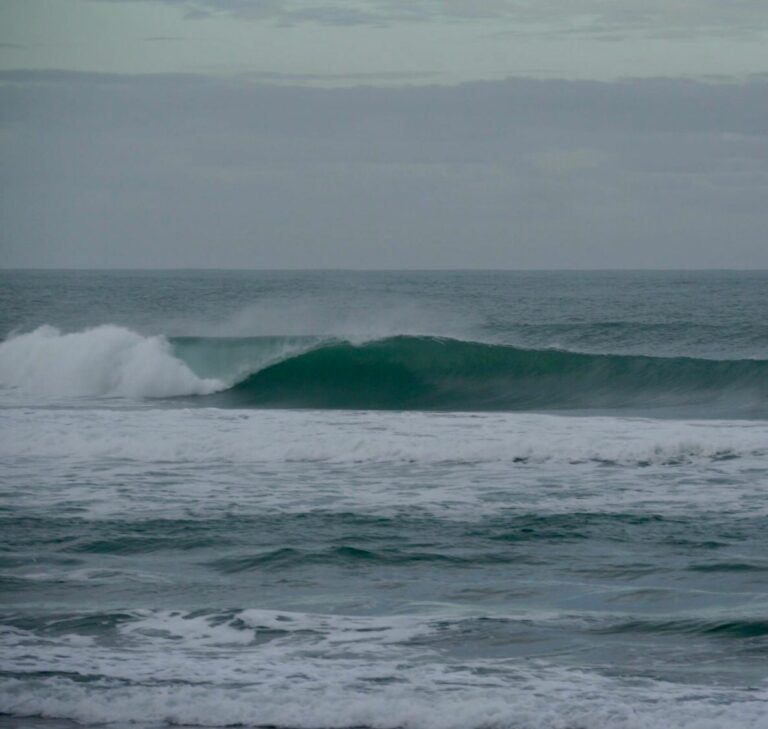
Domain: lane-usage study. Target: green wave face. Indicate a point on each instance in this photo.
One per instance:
(429, 373)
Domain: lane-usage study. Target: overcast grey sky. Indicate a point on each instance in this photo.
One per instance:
(384, 133)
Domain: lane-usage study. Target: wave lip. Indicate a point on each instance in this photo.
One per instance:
(429, 373)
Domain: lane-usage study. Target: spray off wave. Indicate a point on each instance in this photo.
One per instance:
(394, 373)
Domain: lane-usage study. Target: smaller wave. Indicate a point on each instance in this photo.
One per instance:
(107, 360)
(261, 668)
(287, 557)
(740, 629)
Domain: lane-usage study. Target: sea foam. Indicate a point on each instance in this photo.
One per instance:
(107, 360)
(278, 684)
(213, 435)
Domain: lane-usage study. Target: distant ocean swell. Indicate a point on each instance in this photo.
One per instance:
(395, 373)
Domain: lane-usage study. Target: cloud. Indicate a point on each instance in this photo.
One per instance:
(611, 20)
(166, 39)
(180, 170)
(361, 77)
(291, 12)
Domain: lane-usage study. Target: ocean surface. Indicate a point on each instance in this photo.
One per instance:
(395, 500)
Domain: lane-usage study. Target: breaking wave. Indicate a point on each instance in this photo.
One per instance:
(103, 361)
(395, 373)
(258, 668)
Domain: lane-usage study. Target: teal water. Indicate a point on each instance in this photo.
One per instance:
(384, 499)
(427, 373)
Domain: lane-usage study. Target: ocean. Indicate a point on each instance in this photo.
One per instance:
(390, 500)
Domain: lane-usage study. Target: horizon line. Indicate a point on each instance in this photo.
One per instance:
(160, 269)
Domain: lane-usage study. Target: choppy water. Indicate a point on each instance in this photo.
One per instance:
(385, 500)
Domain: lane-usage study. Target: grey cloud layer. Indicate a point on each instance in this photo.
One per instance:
(103, 170)
(677, 17)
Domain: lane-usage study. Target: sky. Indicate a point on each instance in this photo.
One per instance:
(384, 133)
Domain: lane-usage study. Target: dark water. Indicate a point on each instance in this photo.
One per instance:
(384, 499)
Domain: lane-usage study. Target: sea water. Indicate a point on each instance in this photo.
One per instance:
(448, 500)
